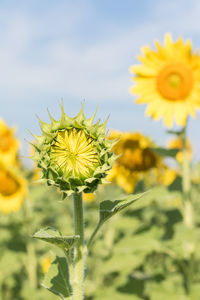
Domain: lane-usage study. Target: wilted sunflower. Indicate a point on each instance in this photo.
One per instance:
(73, 153)
(13, 189)
(135, 159)
(177, 144)
(8, 144)
(168, 81)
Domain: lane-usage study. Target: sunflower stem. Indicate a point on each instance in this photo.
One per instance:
(93, 235)
(32, 262)
(186, 183)
(78, 282)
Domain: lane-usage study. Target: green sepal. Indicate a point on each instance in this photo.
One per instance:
(57, 279)
(109, 208)
(53, 236)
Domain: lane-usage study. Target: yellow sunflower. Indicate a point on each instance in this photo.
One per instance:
(177, 144)
(135, 159)
(166, 175)
(123, 177)
(13, 189)
(89, 197)
(45, 263)
(168, 81)
(8, 144)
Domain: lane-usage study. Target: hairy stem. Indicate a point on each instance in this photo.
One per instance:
(78, 282)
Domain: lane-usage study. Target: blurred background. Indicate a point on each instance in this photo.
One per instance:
(82, 51)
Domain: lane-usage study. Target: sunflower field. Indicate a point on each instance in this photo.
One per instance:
(103, 214)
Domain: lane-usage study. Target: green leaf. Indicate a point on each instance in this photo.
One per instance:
(165, 152)
(175, 132)
(109, 208)
(57, 278)
(53, 236)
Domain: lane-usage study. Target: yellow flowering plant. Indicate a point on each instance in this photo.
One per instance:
(169, 82)
(74, 155)
(137, 161)
(9, 145)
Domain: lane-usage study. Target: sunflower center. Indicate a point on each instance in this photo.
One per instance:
(175, 81)
(74, 153)
(8, 185)
(136, 159)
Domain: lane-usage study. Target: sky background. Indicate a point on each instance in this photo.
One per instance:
(82, 50)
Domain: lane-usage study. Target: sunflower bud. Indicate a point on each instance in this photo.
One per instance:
(73, 153)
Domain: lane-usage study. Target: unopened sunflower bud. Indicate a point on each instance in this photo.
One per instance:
(73, 153)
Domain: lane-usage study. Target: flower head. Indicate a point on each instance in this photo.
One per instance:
(13, 188)
(135, 159)
(168, 81)
(73, 153)
(8, 144)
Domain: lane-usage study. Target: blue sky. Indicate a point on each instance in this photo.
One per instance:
(82, 50)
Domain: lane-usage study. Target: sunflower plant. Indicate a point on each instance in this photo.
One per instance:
(168, 81)
(74, 155)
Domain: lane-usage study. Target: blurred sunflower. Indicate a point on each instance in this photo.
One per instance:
(177, 144)
(9, 145)
(166, 175)
(45, 263)
(168, 81)
(13, 188)
(123, 177)
(135, 159)
(88, 198)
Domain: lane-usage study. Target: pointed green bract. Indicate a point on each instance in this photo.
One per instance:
(74, 154)
(52, 236)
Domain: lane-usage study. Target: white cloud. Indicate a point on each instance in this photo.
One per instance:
(39, 53)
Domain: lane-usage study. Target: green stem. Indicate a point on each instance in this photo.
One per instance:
(186, 183)
(32, 262)
(78, 282)
(91, 240)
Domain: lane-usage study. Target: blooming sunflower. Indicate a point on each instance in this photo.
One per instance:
(73, 153)
(13, 188)
(8, 144)
(177, 144)
(135, 159)
(168, 81)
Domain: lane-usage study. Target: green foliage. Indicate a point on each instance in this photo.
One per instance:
(53, 236)
(56, 279)
(164, 152)
(144, 252)
(109, 208)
